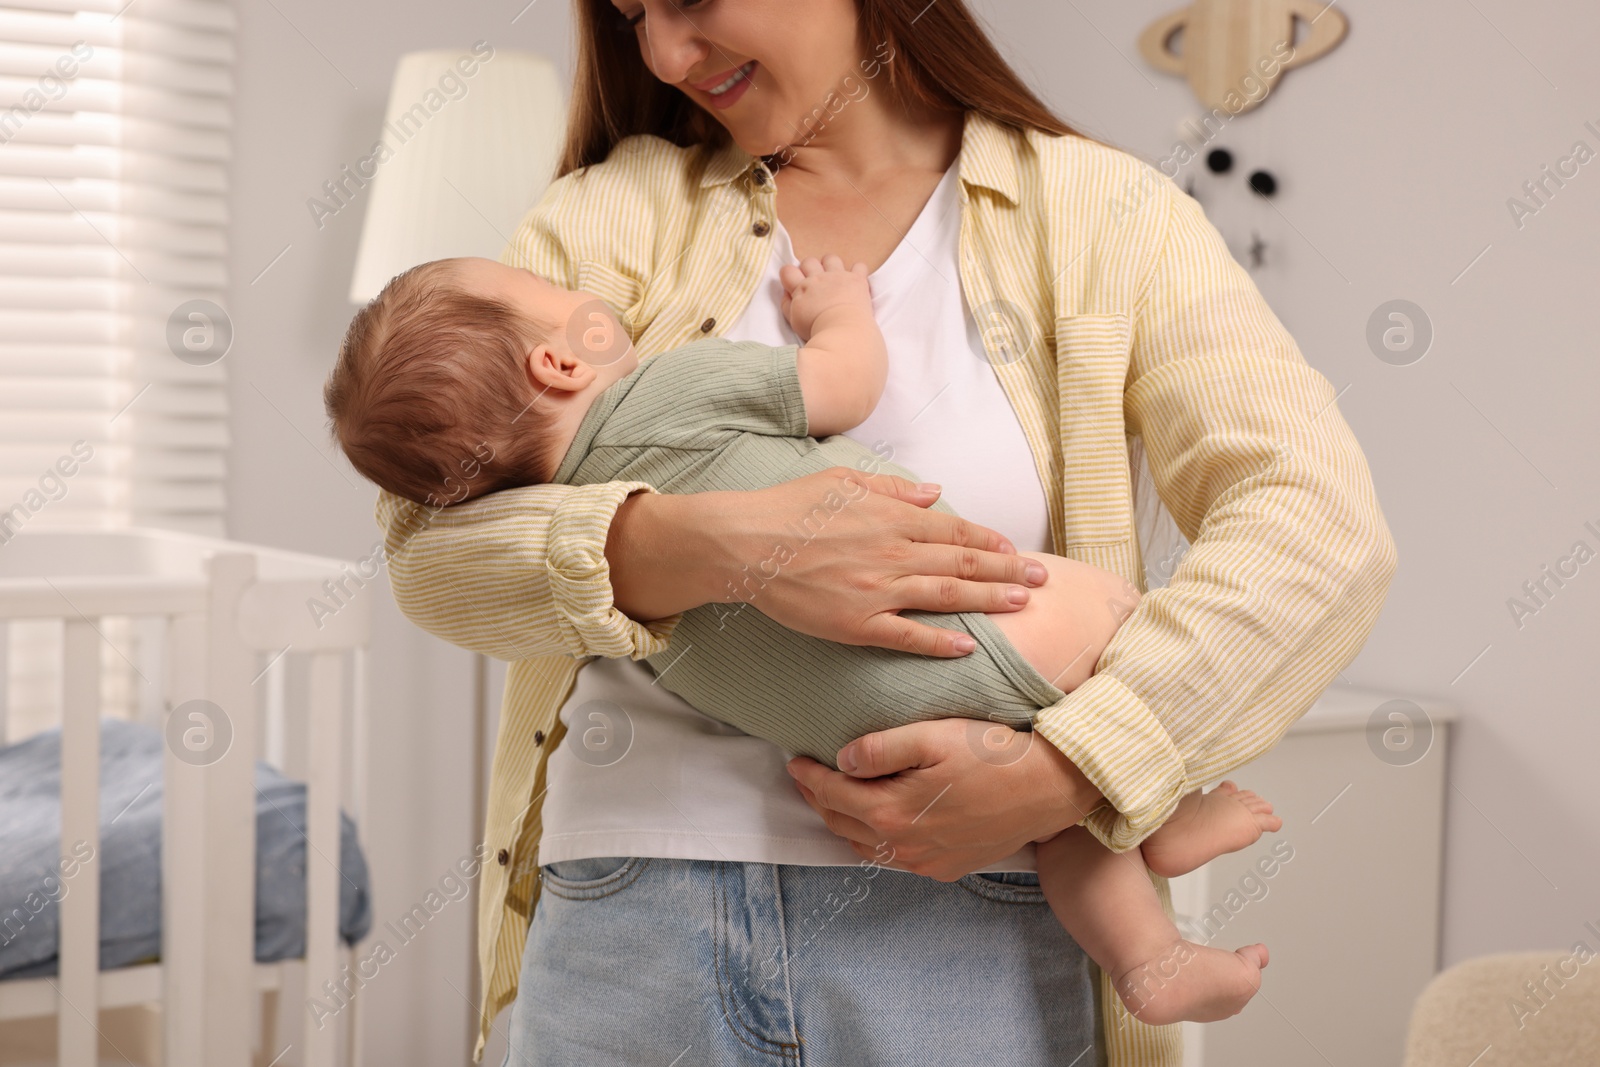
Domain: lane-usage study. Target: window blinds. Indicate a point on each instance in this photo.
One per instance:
(114, 143)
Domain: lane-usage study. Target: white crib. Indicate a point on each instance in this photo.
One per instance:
(198, 619)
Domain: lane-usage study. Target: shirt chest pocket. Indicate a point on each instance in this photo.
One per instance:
(1092, 354)
(622, 293)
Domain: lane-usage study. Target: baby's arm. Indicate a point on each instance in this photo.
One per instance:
(843, 363)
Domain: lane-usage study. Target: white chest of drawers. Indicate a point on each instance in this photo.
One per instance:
(1351, 915)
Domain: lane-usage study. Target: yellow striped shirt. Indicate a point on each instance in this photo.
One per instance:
(1116, 320)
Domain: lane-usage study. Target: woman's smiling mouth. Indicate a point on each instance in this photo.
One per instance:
(730, 88)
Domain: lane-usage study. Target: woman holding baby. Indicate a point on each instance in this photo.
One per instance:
(665, 889)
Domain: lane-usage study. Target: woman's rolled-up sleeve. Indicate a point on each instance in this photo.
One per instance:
(523, 572)
(1290, 556)
(517, 573)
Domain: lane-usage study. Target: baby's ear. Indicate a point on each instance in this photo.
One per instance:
(547, 368)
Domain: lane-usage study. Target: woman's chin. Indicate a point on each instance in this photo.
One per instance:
(757, 143)
(755, 136)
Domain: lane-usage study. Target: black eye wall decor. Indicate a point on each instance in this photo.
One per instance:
(1261, 182)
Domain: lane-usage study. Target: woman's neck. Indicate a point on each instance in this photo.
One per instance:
(857, 193)
(872, 139)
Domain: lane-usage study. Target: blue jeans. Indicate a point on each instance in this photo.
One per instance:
(688, 963)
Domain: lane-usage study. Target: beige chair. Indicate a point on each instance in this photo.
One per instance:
(1536, 1009)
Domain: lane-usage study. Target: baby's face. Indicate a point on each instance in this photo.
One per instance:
(585, 326)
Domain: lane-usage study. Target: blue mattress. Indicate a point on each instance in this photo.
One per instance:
(129, 860)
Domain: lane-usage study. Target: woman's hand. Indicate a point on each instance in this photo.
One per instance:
(945, 798)
(836, 554)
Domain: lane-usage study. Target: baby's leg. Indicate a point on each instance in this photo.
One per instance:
(1108, 904)
(1069, 620)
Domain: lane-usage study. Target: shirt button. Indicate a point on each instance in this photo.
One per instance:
(503, 857)
(538, 737)
(761, 229)
(708, 325)
(760, 176)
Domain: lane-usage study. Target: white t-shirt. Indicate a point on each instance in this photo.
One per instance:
(671, 782)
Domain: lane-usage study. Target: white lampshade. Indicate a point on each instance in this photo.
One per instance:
(468, 145)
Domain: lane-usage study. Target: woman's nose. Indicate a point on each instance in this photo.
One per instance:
(673, 45)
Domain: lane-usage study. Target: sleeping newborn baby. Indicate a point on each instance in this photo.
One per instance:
(470, 365)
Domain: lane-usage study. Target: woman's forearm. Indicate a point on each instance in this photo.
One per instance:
(662, 561)
(837, 554)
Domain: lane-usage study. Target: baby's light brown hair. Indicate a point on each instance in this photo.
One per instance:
(429, 398)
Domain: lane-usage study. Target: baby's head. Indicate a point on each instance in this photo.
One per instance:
(465, 376)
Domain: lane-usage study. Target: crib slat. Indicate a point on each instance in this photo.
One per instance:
(208, 855)
(183, 861)
(324, 736)
(79, 983)
(273, 679)
(230, 821)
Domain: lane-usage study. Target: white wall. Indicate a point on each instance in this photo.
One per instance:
(1396, 156)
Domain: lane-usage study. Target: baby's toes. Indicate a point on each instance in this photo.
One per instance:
(1254, 801)
(1226, 788)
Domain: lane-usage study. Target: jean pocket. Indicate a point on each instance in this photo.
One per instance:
(1007, 887)
(589, 879)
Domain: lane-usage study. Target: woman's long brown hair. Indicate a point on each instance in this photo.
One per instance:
(942, 59)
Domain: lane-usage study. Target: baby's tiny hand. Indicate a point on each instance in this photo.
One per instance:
(816, 286)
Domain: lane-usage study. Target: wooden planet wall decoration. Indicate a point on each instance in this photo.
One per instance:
(1231, 45)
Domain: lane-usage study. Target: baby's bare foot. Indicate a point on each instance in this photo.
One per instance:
(1190, 982)
(1207, 825)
